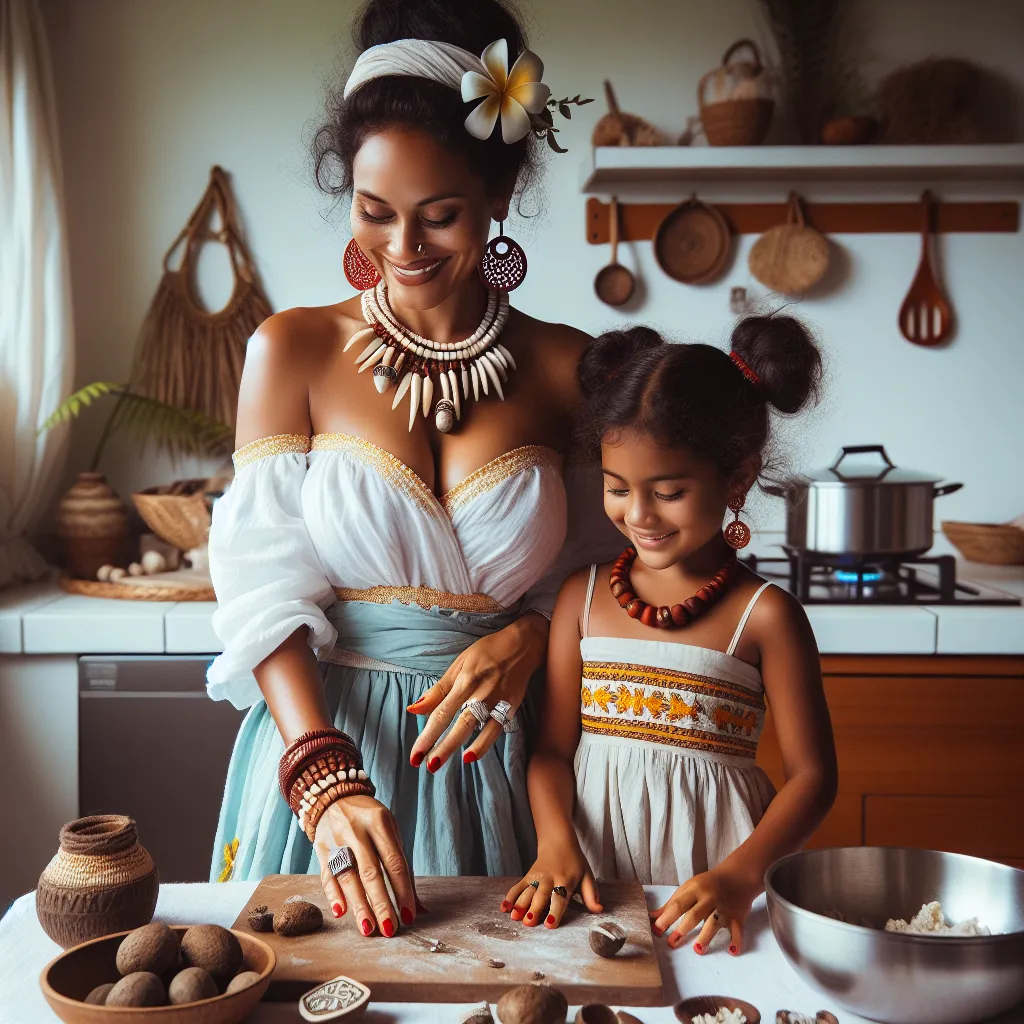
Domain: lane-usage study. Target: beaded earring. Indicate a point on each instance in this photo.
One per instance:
(503, 264)
(737, 534)
(359, 271)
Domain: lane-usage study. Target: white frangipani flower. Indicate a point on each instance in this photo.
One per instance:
(514, 95)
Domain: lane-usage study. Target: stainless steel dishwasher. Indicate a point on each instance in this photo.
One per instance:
(152, 745)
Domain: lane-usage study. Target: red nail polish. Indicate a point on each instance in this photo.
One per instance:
(733, 950)
(469, 757)
(505, 906)
(529, 916)
(551, 919)
(657, 931)
(337, 909)
(407, 916)
(365, 927)
(387, 926)
(417, 759)
(698, 947)
(415, 704)
(433, 764)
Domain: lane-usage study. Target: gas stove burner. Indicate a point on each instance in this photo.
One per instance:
(848, 576)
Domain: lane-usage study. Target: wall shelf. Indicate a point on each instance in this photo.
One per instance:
(610, 169)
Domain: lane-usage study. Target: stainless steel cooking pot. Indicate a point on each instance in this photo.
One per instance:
(863, 510)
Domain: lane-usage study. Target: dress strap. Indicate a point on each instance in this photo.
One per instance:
(743, 619)
(590, 597)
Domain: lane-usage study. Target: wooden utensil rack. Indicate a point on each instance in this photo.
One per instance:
(639, 221)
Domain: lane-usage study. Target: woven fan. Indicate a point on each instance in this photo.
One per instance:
(619, 129)
(189, 357)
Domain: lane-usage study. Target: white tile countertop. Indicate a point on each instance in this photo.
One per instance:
(41, 619)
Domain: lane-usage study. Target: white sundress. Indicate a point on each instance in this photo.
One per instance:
(666, 783)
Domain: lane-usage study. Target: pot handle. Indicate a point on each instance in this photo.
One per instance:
(863, 449)
(945, 489)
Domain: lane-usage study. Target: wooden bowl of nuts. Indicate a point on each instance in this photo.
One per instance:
(159, 974)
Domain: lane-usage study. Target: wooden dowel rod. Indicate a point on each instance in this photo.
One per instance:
(639, 221)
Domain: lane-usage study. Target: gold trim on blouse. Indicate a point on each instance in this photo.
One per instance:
(498, 471)
(264, 447)
(425, 597)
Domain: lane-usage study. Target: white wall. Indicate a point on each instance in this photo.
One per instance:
(151, 94)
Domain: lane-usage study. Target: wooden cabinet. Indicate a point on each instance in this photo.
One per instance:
(931, 753)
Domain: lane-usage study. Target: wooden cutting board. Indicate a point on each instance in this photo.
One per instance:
(446, 955)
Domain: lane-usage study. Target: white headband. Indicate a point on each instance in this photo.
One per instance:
(514, 95)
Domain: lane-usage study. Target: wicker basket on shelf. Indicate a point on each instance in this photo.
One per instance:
(736, 104)
(991, 543)
(177, 513)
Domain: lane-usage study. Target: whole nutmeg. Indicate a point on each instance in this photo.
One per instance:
(141, 988)
(260, 920)
(98, 996)
(191, 985)
(607, 938)
(153, 948)
(532, 1004)
(298, 918)
(242, 981)
(213, 948)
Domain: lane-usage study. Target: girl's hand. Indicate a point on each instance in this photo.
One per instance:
(497, 667)
(370, 829)
(563, 865)
(718, 898)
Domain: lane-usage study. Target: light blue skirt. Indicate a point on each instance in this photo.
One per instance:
(464, 820)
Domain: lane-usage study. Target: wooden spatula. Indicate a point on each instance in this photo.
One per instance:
(926, 317)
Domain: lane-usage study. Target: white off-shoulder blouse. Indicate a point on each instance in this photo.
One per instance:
(304, 520)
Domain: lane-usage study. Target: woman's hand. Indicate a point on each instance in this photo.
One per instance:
(561, 865)
(497, 667)
(719, 898)
(370, 829)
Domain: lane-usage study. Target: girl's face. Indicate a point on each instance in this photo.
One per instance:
(667, 501)
(420, 215)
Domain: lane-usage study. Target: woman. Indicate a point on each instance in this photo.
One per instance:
(419, 561)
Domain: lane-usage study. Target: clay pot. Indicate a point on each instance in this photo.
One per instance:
(92, 523)
(100, 881)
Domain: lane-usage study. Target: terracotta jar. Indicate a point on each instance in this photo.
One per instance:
(100, 881)
(92, 523)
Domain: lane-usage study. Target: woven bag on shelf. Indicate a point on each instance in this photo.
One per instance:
(735, 100)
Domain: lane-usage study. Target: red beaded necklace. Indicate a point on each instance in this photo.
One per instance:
(667, 617)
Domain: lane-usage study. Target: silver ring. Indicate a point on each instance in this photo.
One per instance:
(504, 716)
(479, 710)
(341, 859)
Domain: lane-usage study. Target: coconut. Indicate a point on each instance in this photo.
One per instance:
(140, 988)
(191, 985)
(212, 948)
(153, 948)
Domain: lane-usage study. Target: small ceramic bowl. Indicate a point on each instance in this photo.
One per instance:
(690, 1008)
(70, 977)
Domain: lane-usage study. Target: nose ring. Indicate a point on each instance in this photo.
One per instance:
(420, 249)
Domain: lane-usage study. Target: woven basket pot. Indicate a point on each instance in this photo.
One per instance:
(92, 523)
(735, 100)
(181, 518)
(100, 881)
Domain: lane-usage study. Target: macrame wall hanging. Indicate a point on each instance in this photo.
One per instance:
(188, 356)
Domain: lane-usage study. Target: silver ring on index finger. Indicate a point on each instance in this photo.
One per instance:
(341, 859)
(479, 710)
(505, 716)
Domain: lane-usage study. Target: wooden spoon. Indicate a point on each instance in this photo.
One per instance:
(614, 284)
(926, 317)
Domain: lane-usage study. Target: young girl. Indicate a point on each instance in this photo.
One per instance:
(678, 647)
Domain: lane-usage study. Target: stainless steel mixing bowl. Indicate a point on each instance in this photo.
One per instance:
(896, 978)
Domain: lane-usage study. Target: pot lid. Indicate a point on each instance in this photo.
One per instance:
(849, 472)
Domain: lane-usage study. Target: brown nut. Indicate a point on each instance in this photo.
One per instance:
(242, 981)
(607, 938)
(141, 988)
(298, 918)
(152, 948)
(212, 948)
(191, 985)
(596, 1013)
(533, 1004)
(98, 996)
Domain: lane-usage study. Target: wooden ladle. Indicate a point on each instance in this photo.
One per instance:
(614, 284)
(926, 317)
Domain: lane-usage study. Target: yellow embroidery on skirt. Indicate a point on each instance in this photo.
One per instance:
(230, 853)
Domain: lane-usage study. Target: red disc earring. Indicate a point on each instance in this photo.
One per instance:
(737, 534)
(361, 273)
(503, 264)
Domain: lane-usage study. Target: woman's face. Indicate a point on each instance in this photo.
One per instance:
(667, 501)
(420, 215)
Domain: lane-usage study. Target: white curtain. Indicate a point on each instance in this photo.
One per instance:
(36, 339)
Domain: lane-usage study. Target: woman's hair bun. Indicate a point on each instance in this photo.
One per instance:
(607, 356)
(783, 354)
(471, 24)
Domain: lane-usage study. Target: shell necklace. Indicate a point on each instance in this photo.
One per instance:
(399, 356)
(667, 617)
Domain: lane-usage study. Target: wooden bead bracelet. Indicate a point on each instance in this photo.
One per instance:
(665, 617)
(308, 746)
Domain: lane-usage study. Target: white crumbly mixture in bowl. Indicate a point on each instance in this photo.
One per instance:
(723, 1016)
(929, 920)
